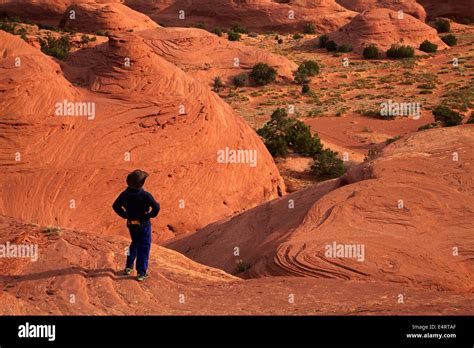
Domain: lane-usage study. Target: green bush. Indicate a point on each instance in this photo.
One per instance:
(446, 116)
(344, 48)
(297, 36)
(263, 74)
(217, 84)
(305, 89)
(200, 25)
(331, 46)
(428, 126)
(471, 118)
(311, 66)
(9, 28)
(327, 166)
(299, 138)
(273, 133)
(450, 40)
(323, 40)
(371, 52)
(280, 41)
(443, 25)
(240, 80)
(217, 31)
(392, 140)
(85, 39)
(233, 36)
(13, 19)
(101, 33)
(309, 28)
(306, 69)
(56, 47)
(48, 27)
(428, 47)
(283, 132)
(400, 52)
(242, 266)
(238, 28)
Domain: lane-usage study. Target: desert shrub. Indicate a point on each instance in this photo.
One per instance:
(305, 89)
(428, 126)
(242, 266)
(371, 52)
(392, 140)
(200, 25)
(400, 52)
(74, 31)
(233, 36)
(344, 48)
(442, 25)
(428, 47)
(101, 33)
(331, 46)
(446, 116)
(299, 138)
(311, 66)
(56, 47)
(372, 153)
(217, 84)
(52, 230)
(326, 165)
(240, 80)
(263, 74)
(217, 31)
(13, 19)
(280, 41)
(253, 34)
(273, 133)
(48, 27)
(450, 40)
(471, 118)
(323, 40)
(283, 132)
(309, 28)
(85, 39)
(306, 69)
(238, 28)
(9, 28)
(297, 36)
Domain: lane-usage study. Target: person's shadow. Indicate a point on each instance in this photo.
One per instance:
(87, 273)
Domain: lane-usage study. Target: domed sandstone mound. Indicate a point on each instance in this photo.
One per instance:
(405, 217)
(384, 28)
(256, 15)
(134, 110)
(408, 6)
(462, 10)
(90, 17)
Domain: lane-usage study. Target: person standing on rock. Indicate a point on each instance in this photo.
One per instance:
(138, 207)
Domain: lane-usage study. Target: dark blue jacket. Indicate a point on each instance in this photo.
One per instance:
(135, 204)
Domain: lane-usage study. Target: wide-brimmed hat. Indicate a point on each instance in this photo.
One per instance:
(137, 178)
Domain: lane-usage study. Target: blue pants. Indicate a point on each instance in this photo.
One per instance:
(140, 247)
